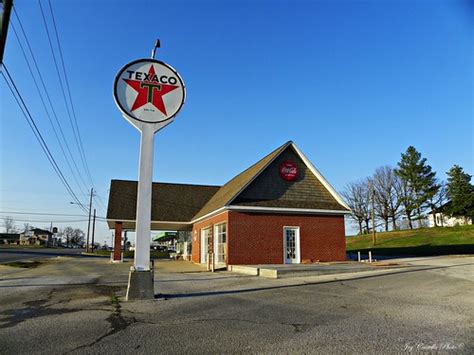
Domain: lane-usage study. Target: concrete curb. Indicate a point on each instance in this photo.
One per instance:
(273, 274)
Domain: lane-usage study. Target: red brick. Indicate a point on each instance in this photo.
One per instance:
(257, 238)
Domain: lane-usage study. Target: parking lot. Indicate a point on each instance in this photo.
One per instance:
(76, 305)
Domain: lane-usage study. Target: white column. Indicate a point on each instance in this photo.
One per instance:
(143, 223)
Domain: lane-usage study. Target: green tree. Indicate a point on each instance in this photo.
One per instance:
(460, 192)
(419, 183)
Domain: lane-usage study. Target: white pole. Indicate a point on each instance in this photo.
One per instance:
(358, 256)
(143, 226)
(370, 256)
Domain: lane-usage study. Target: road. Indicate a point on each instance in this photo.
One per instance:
(76, 305)
(20, 254)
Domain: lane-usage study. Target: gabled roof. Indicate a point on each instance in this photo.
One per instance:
(39, 231)
(231, 189)
(314, 192)
(177, 206)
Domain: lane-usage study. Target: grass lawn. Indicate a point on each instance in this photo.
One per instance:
(130, 254)
(418, 242)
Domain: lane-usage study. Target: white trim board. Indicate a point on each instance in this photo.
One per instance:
(308, 164)
(321, 178)
(285, 210)
(283, 148)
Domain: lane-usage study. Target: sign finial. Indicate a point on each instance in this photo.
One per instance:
(157, 45)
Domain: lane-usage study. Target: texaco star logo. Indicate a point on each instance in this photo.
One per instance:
(148, 90)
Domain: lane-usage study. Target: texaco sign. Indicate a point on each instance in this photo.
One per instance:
(149, 91)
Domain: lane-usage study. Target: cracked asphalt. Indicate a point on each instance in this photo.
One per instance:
(76, 305)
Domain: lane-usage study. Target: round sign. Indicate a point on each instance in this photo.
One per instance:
(288, 171)
(149, 90)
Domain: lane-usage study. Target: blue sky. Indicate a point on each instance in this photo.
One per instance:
(352, 83)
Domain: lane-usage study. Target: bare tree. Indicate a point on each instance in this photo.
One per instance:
(407, 198)
(436, 201)
(387, 202)
(358, 198)
(27, 227)
(77, 236)
(68, 233)
(9, 225)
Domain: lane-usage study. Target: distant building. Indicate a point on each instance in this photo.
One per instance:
(36, 236)
(10, 238)
(441, 219)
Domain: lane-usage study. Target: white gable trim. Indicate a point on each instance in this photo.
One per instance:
(286, 145)
(285, 210)
(210, 214)
(320, 177)
(134, 220)
(309, 165)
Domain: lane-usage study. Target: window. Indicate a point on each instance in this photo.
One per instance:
(220, 242)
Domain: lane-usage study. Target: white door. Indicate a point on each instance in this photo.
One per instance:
(205, 234)
(291, 245)
(220, 244)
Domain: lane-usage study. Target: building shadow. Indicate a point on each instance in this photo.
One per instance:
(258, 289)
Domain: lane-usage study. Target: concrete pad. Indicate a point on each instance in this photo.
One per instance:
(140, 286)
(269, 273)
(275, 271)
(243, 269)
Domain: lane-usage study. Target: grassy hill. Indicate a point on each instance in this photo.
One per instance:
(418, 242)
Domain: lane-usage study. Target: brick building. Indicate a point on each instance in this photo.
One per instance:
(279, 210)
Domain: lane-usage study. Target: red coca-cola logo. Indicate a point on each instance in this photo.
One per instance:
(288, 171)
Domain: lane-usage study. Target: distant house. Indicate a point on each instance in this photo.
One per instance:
(441, 219)
(10, 238)
(36, 236)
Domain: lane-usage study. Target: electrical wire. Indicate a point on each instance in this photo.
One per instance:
(31, 122)
(66, 80)
(48, 214)
(73, 173)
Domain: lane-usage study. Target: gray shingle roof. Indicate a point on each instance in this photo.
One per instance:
(260, 185)
(171, 202)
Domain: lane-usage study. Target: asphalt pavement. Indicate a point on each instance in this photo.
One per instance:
(12, 254)
(76, 305)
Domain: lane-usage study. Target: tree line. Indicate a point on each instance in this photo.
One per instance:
(401, 196)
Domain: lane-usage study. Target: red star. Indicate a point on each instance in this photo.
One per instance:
(150, 91)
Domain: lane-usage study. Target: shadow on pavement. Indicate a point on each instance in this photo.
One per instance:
(256, 289)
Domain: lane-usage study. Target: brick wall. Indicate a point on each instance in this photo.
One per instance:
(257, 238)
(196, 236)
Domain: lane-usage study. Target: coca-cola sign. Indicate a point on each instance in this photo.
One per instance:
(288, 171)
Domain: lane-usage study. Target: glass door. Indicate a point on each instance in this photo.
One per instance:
(291, 245)
(220, 244)
(205, 234)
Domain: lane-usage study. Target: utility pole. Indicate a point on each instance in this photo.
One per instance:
(7, 7)
(93, 231)
(125, 239)
(89, 223)
(374, 235)
(51, 231)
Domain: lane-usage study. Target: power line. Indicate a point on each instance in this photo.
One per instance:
(47, 214)
(73, 127)
(47, 95)
(48, 220)
(83, 155)
(51, 105)
(31, 122)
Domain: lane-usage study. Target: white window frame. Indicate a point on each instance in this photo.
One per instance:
(205, 251)
(216, 238)
(297, 244)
